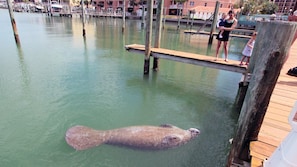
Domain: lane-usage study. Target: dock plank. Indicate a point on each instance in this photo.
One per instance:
(275, 125)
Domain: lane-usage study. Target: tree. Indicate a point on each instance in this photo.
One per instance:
(258, 6)
(269, 8)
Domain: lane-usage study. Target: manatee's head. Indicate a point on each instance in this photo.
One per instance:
(179, 138)
(194, 132)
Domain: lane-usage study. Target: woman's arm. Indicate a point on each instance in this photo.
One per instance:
(231, 28)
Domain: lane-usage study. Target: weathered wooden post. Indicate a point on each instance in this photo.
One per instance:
(142, 14)
(148, 39)
(124, 16)
(266, 62)
(214, 22)
(158, 32)
(164, 18)
(192, 19)
(83, 18)
(13, 23)
(179, 17)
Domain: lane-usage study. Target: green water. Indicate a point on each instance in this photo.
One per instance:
(58, 80)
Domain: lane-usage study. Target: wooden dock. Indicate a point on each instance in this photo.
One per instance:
(216, 33)
(190, 58)
(275, 125)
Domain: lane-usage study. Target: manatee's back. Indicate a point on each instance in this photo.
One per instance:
(148, 137)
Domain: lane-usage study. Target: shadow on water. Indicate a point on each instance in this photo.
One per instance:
(152, 83)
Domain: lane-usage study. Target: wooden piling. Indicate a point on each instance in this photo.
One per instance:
(266, 62)
(242, 88)
(214, 22)
(159, 19)
(179, 17)
(13, 23)
(83, 18)
(124, 16)
(149, 27)
(142, 14)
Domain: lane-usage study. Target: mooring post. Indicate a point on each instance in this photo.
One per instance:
(124, 16)
(158, 32)
(266, 62)
(148, 37)
(179, 17)
(192, 19)
(13, 23)
(142, 14)
(83, 18)
(164, 18)
(214, 22)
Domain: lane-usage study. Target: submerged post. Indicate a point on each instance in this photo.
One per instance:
(214, 22)
(266, 62)
(148, 39)
(13, 23)
(83, 18)
(158, 32)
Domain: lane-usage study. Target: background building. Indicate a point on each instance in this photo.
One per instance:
(286, 6)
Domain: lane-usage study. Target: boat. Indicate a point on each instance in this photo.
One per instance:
(55, 8)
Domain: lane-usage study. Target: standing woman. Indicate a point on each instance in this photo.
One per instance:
(229, 25)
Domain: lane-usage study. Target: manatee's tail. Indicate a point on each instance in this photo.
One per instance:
(81, 137)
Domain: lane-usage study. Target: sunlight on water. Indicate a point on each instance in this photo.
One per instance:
(57, 80)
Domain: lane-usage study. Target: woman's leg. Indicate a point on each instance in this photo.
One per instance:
(218, 48)
(226, 50)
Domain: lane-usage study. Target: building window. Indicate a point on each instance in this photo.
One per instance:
(221, 5)
(205, 4)
(172, 2)
(191, 3)
(101, 3)
(109, 3)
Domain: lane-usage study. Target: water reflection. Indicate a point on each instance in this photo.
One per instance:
(25, 76)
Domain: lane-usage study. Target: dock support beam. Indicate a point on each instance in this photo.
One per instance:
(214, 22)
(149, 27)
(266, 62)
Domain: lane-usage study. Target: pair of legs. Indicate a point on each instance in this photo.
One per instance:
(247, 60)
(225, 49)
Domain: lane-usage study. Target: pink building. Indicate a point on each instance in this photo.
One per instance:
(170, 6)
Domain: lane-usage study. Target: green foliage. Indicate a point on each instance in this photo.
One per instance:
(269, 8)
(257, 7)
(181, 1)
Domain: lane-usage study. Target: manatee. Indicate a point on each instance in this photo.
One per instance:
(140, 137)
